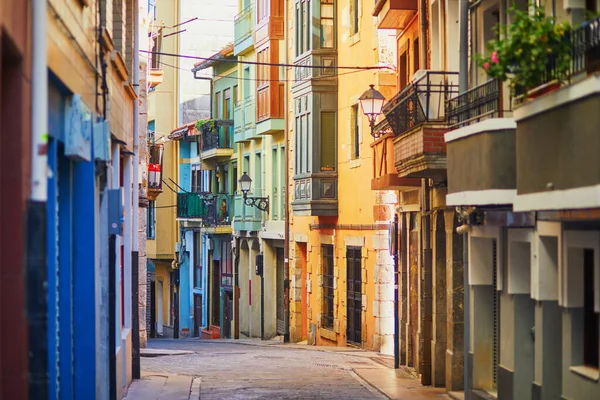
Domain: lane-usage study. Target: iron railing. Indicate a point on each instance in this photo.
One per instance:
(218, 210)
(190, 205)
(481, 102)
(219, 136)
(423, 100)
(585, 54)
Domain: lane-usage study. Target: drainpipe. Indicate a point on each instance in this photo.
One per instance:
(135, 264)
(463, 28)
(210, 95)
(36, 300)
(423, 34)
(286, 234)
(427, 288)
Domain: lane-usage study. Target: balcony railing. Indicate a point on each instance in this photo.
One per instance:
(218, 137)
(423, 100)
(476, 104)
(218, 210)
(190, 205)
(585, 53)
(243, 25)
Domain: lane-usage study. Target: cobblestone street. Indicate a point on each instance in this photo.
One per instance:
(268, 370)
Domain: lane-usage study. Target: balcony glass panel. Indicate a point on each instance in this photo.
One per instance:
(190, 205)
(243, 28)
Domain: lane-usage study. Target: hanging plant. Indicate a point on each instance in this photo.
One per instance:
(531, 51)
(206, 124)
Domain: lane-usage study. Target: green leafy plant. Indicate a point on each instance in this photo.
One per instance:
(534, 49)
(203, 124)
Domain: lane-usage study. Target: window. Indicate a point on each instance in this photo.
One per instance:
(327, 24)
(328, 151)
(156, 48)
(262, 70)
(197, 260)
(246, 82)
(403, 74)
(151, 222)
(303, 26)
(236, 94)
(257, 184)
(196, 186)
(226, 265)
(226, 103)
(235, 179)
(354, 132)
(355, 21)
(328, 285)
(415, 55)
(591, 336)
(218, 114)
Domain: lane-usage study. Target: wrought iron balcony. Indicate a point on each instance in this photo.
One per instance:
(479, 103)
(218, 210)
(190, 206)
(421, 101)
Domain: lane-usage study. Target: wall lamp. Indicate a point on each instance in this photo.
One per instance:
(262, 203)
(371, 103)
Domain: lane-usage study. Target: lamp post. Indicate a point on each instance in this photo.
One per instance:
(262, 203)
(371, 103)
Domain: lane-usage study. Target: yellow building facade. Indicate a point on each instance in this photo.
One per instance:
(341, 270)
(163, 116)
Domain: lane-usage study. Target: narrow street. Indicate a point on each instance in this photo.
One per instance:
(253, 369)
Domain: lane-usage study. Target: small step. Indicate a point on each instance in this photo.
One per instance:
(213, 332)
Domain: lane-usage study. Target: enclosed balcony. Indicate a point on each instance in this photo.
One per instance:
(190, 206)
(219, 214)
(246, 218)
(481, 148)
(417, 118)
(557, 137)
(270, 100)
(394, 14)
(243, 30)
(244, 120)
(385, 176)
(217, 141)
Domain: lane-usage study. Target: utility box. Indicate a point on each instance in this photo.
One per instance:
(259, 264)
(116, 215)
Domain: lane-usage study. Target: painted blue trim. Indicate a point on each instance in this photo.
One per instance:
(65, 229)
(85, 280)
(52, 254)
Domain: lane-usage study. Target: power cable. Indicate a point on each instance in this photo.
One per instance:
(244, 62)
(264, 80)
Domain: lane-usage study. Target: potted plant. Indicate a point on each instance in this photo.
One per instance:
(533, 53)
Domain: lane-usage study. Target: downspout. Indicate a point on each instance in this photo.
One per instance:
(427, 287)
(423, 25)
(210, 95)
(286, 234)
(36, 299)
(135, 264)
(463, 66)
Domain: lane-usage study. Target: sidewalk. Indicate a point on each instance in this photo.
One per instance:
(164, 387)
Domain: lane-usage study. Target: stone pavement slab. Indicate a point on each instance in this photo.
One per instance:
(164, 387)
(397, 384)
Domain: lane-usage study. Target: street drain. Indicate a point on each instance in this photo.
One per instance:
(327, 365)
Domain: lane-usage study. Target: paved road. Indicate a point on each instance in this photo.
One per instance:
(241, 371)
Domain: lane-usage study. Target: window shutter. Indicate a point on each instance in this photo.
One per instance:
(328, 150)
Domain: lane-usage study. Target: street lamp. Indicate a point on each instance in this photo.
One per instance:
(262, 203)
(371, 103)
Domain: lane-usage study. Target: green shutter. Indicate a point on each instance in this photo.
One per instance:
(328, 150)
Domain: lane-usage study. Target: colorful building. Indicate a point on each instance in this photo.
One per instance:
(259, 224)
(90, 200)
(530, 216)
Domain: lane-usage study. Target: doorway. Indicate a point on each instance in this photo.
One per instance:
(159, 320)
(354, 295)
(227, 313)
(216, 290)
(197, 315)
(280, 291)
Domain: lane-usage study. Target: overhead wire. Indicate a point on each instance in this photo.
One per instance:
(264, 80)
(248, 62)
